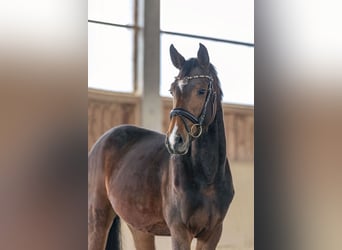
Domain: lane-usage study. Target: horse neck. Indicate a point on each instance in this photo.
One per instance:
(208, 152)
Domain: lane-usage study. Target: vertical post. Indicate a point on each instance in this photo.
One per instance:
(149, 64)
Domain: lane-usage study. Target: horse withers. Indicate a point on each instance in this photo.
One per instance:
(178, 184)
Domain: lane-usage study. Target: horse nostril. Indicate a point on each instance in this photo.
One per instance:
(179, 139)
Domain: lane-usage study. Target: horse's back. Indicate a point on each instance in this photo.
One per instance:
(120, 141)
(121, 137)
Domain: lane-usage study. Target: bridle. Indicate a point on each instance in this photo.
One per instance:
(197, 121)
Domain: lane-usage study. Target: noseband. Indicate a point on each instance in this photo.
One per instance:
(197, 121)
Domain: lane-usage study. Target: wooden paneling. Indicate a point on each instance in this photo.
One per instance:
(106, 110)
(239, 125)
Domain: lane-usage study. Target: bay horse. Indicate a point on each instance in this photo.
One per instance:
(177, 184)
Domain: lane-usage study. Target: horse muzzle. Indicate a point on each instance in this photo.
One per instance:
(176, 144)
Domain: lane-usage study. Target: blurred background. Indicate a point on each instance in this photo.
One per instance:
(45, 102)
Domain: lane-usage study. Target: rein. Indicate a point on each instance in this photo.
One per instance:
(197, 121)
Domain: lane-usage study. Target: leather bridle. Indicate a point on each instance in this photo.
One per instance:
(196, 129)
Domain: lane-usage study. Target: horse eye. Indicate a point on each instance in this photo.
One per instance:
(171, 91)
(201, 91)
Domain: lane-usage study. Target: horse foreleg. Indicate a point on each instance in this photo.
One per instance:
(180, 238)
(142, 241)
(209, 240)
(100, 218)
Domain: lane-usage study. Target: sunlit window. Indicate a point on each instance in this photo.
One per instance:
(110, 45)
(226, 28)
(111, 11)
(234, 65)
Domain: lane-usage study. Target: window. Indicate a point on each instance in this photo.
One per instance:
(111, 30)
(226, 28)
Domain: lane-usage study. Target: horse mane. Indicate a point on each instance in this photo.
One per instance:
(192, 63)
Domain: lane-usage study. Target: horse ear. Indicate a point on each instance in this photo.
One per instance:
(203, 56)
(176, 58)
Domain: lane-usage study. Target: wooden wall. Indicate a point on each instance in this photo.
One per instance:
(106, 110)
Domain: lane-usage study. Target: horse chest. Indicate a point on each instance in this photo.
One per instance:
(199, 211)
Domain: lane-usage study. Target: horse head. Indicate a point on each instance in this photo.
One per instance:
(194, 93)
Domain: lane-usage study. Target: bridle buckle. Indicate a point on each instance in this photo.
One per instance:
(196, 128)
